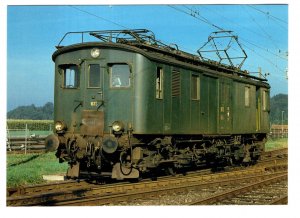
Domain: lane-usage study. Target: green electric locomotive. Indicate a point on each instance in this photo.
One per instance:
(127, 104)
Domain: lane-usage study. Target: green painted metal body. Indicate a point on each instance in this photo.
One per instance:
(220, 108)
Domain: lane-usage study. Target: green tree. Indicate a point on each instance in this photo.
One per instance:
(278, 104)
(32, 112)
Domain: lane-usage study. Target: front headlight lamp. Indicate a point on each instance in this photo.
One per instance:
(117, 126)
(95, 52)
(59, 126)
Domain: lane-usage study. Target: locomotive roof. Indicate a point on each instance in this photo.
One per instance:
(144, 42)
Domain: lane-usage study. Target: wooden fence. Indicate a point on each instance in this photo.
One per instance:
(279, 131)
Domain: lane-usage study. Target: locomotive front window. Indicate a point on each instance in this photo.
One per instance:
(94, 76)
(119, 75)
(71, 76)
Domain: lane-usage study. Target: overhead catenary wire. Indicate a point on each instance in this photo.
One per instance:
(97, 16)
(280, 24)
(221, 29)
(250, 30)
(268, 36)
(107, 20)
(268, 14)
(242, 38)
(201, 19)
(274, 65)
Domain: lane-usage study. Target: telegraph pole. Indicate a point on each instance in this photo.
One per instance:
(282, 123)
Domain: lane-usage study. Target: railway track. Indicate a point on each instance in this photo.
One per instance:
(283, 152)
(193, 195)
(83, 193)
(269, 190)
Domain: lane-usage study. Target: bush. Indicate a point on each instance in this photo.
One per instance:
(42, 125)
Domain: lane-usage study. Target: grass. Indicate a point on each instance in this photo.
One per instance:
(29, 169)
(273, 144)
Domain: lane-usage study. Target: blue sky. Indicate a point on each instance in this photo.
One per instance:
(33, 32)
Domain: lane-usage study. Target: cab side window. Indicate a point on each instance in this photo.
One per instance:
(195, 87)
(247, 96)
(159, 83)
(70, 76)
(119, 75)
(265, 101)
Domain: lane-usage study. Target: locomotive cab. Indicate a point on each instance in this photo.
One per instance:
(89, 93)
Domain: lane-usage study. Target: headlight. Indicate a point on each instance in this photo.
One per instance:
(95, 52)
(59, 126)
(117, 126)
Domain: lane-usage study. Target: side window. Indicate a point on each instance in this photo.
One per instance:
(195, 87)
(94, 76)
(119, 75)
(159, 83)
(247, 96)
(176, 83)
(265, 100)
(70, 76)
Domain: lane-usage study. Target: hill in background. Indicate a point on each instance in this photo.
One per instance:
(278, 104)
(32, 112)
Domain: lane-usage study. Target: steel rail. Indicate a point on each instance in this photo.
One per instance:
(36, 189)
(240, 190)
(280, 201)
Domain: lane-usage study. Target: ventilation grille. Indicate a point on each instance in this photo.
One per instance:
(175, 83)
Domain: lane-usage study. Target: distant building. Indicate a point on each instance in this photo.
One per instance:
(279, 131)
